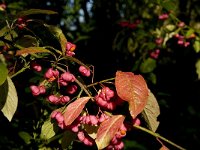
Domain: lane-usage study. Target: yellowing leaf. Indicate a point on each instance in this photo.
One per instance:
(35, 11)
(74, 109)
(31, 50)
(8, 99)
(57, 32)
(132, 88)
(48, 130)
(151, 112)
(107, 130)
(3, 73)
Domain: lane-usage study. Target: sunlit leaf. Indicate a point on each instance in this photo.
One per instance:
(31, 50)
(48, 130)
(35, 11)
(8, 99)
(170, 27)
(151, 112)
(74, 109)
(3, 73)
(107, 130)
(132, 88)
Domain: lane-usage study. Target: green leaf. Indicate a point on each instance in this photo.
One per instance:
(7, 34)
(25, 136)
(197, 65)
(189, 33)
(8, 99)
(148, 65)
(3, 73)
(169, 5)
(57, 32)
(31, 50)
(196, 46)
(48, 130)
(132, 45)
(27, 41)
(152, 77)
(67, 139)
(170, 27)
(151, 112)
(35, 11)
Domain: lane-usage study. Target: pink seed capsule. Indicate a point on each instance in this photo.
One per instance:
(84, 71)
(36, 67)
(53, 99)
(87, 119)
(70, 46)
(49, 73)
(62, 82)
(71, 89)
(119, 146)
(68, 77)
(93, 120)
(81, 135)
(100, 101)
(42, 89)
(136, 121)
(114, 140)
(88, 141)
(64, 99)
(54, 113)
(75, 128)
(59, 117)
(159, 41)
(111, 106)
(35, 90)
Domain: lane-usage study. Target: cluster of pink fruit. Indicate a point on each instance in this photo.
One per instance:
(107, 99)
(78, 127)
(181, 40)
(63, 79)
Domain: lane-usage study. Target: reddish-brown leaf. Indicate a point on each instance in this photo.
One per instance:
(132, 88)
(74, 109)
(107, 130)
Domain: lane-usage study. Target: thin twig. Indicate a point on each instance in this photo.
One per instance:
(158, 136)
